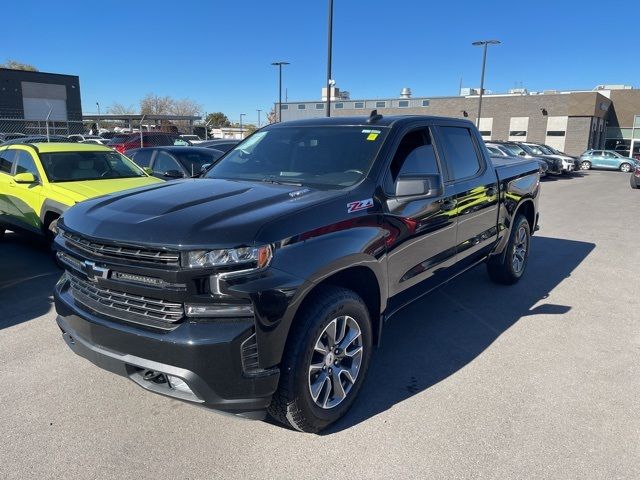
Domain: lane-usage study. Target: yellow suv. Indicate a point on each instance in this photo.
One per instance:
(39, 181)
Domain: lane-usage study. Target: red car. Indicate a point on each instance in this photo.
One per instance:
(129, 141)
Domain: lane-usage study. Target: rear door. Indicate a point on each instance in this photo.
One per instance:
(597, 159)
(422, 233)
(475, 186)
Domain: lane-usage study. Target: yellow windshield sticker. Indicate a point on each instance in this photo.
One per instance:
(372, 136)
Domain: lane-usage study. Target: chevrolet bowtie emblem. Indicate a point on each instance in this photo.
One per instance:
(94, 272)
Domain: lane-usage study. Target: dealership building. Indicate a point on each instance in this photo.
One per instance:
(32, 101)
(571, 121)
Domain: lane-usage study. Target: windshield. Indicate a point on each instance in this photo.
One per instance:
(325, 157)
(513, 149)
(78, 166)
(546, 150)
(194, 161)
(535, 149)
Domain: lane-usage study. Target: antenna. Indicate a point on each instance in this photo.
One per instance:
(374, 116)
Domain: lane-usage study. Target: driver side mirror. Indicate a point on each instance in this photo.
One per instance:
(523, 154)
(26, 177)
(173, 174)
(205, 166)
(425, 186)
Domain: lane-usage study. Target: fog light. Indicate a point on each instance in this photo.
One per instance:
(219, 310)
(179, 384)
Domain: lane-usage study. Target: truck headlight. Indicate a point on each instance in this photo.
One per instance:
(252, 257)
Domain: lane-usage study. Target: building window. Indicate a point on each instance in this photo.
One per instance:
(425, 103)
(301, 106)
(284, 107)
(485, 133)
(359, 105)
(319, 106)
(403, 103)
(339, 105)
(556, 133)
(381, 104)
(518, 133)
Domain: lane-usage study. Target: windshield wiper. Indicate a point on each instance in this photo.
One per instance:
(272, 179)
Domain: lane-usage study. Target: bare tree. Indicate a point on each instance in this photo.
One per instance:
(185, 107)
(119, 109)
(15, 65)
(153, 104)
(271, 116)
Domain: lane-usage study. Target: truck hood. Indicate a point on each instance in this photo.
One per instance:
(191, 213)
(82, 190)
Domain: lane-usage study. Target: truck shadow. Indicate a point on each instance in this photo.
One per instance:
(27, 277)
(439, 334)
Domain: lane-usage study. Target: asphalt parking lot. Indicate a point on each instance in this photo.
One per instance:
(539, 380)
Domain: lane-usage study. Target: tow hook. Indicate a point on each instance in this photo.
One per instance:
(155, 377)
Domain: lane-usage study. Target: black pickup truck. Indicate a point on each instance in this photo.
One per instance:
(264, 285)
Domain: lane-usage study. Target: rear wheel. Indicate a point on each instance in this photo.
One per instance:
(585, 165)
(325, 361)
(625, 167)
(509, 268)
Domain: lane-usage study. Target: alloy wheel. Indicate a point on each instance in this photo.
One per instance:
(625, 167)
(585, 166)
(520, 250)
(335, 362)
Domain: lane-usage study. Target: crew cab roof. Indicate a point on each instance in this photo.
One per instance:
(384, 121)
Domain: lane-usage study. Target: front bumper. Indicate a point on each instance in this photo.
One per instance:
(206, 355)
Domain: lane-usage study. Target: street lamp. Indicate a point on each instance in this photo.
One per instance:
(484, 44)
(329, 42)
(258, 110)
(98, 124)
(279, 65)
(241, 115)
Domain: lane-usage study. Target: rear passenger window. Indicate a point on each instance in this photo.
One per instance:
(460, 151)
(142, 157)
(6, 160)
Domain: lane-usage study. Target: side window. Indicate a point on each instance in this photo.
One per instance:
(25, 164)
(6, 160)
(494, 151)
(460, 152)
(165, 162)
(415, 155)
(142, 158)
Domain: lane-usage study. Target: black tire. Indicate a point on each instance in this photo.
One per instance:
(502, 268)
(626, 167)
(50, 234)
(293, 404)
(585, 165)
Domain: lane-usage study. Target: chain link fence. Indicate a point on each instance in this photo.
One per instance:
(14, 125)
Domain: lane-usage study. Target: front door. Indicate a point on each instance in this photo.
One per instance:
(28, 196)
(422, 233)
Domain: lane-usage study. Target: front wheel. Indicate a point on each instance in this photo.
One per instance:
(625, 167)
(325, 361)
(585, 165)
(507, 269)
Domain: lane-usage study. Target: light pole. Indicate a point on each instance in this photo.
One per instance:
(279, 65)
(98, 124)
(258, 110)
(329, 42)
(484, 44)
(241, 115)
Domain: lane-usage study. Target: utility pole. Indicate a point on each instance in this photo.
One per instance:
(329, 49)
(279, 65)
(258, 110)
(241, 115)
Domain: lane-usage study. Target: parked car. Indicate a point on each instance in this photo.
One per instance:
(554, 165)
(606, 159)
(193, 139)
(96, 141)
(499, 151)
(265, 284)
(37, 139)
(170, 163)
(39, 181)
(148, 139)
(10, 136)
(635, 177)
(109, 135)
(222, 144)
(569, 164)
(81, 138)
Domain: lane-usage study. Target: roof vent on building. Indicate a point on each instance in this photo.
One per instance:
(405, 92)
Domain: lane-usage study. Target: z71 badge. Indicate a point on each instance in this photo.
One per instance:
(360, 205)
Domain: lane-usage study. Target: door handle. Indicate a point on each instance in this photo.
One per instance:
(491, 191)
(448, 205)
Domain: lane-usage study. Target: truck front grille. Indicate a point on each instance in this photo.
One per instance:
(124, 252)
(125, 306)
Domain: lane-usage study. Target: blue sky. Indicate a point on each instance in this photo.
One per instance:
(219, 52)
